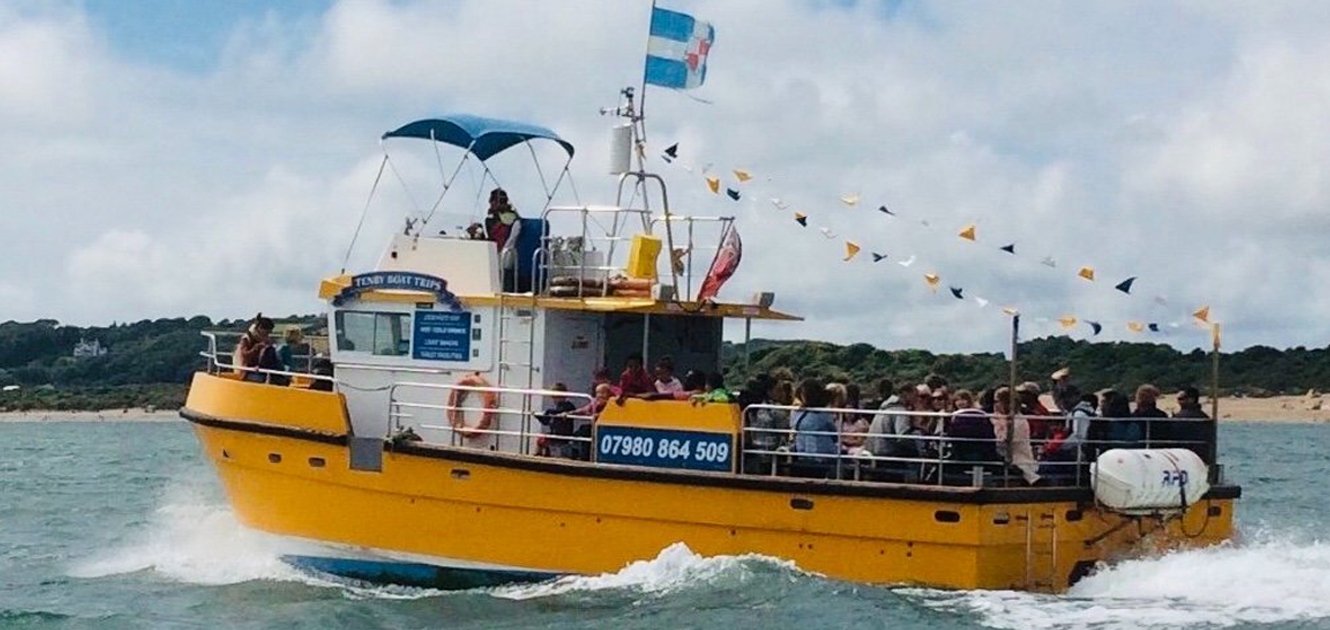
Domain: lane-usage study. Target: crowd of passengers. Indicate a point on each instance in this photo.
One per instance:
(1037, 435)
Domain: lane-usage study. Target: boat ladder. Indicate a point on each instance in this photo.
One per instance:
(517, 347)
(1041, 550)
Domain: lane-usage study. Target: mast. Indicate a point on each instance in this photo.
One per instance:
(638, 119)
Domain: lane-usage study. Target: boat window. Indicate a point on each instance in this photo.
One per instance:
(383, 334)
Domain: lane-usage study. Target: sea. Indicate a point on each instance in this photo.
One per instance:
(123, 525)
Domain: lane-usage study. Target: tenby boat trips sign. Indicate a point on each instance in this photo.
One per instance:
(398, 281)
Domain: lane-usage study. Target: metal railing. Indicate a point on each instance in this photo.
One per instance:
(441, 400)
(216, 365)
(691, 245)
(931, 453)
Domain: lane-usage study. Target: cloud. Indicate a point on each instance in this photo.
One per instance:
(1181, 144)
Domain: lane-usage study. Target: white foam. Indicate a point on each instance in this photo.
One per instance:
(1264, 582)
(192, 539)
(675, 567)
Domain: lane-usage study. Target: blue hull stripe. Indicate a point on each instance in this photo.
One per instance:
(414, 573)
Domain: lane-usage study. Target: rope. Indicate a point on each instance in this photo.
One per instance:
(363, 213)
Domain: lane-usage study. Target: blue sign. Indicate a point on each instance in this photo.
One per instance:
(663, 448)
(400, 281)
(441, 336)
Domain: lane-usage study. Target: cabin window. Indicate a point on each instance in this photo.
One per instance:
(381, 334)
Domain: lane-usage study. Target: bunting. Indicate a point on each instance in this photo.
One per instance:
(851, 250)
(732, 193)
(1202, 314)
(1096, 327)
(801, 219)
(878, 257)
(958, 293)
(1087, 273)
(742, 175)
(1010, 249)
(850, 199)
(713, 183)
(933, 280)
(967, 232)
(1068, 321)
(1125, 285)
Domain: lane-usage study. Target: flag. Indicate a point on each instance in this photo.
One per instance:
(671, 153)
(849, 199)
(879, 257)
(801, 218)
(958, 293)
(1067, 321)
(713, 184)
(932, 279)
(1087, 273)
(1125, 285)
(1095, 326)
(906, 263)
(677, 50)
(967, 233)
(1010, 249)
(851, 250)
(885, 210)
(732, 193)
(1202, 314)
(723, 265)
(742, 175)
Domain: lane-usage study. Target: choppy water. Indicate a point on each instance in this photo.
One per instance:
(123, 525)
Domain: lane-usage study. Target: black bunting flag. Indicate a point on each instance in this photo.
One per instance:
(958, 293)
(1010, 249)
(671, 153)
(734, 194)
(1095, 326)
(879, 257)
(1125, 285)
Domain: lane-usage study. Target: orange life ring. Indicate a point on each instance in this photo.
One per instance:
(457, 419)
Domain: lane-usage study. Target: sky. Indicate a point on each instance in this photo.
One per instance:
(169, 158)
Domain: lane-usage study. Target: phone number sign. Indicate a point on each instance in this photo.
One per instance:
(662, 448)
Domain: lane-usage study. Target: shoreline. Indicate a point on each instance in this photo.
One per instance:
(1273, 410)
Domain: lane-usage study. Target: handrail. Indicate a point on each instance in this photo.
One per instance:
(213, 362)
(526, 412)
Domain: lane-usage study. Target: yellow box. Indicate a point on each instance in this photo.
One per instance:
(642, 257)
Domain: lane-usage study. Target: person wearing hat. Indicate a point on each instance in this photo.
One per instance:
(503, 225)
(1041, 422)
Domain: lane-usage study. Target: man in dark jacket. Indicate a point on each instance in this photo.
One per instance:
(1195, 431)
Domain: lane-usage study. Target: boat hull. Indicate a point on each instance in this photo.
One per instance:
(545, 518)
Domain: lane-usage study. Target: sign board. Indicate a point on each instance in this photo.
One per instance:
(398, 281)
(441, 336)
(665, 448)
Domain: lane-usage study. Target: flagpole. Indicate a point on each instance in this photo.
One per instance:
(641, 127)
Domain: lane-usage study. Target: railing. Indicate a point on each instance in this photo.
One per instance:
(690, 245)
(930, 452)
(216, 365)
(551, 247)
(453, 398)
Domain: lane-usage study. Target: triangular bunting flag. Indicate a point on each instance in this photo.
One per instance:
(1010, 311)
(958, 293)
(1010, 249)
(1087, 273)
(733, 194)
(933, 280)
(1125, 285)
(885, 210)
(742, 175)
(1095, 326)
(1049, 262)
(826, 231)
(671, 152)
(1153, 327)
(1135, 327)
(925, 223)
(967, 233)
(713, 183)
(980, 301)
(879, 257)
(1202, 314)
(851, 250)
(906, 263)
(1068, 321)
(1161, 300)
(850, 199)
(801, 219)
(780, 205)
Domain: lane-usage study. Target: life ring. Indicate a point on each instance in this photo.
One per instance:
(457, 418)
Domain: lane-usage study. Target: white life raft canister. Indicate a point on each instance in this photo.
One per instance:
(1149, 480)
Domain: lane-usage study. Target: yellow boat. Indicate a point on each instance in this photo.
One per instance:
(421, 459)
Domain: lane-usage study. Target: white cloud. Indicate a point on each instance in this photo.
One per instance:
(1183, 144)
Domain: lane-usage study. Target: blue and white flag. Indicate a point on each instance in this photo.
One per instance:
(677, 50)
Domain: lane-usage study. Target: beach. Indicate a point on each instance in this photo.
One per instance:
(132, 414)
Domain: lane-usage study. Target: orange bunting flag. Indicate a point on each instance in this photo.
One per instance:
(933, 280)
(801, 218)
(1068, 321)
(1202, 314)
(968, 232)
(1087, 273)
(851, 250)
(742, 175)
(714, 184)
(1135, 327)
(850, 199)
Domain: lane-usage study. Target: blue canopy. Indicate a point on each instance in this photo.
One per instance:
(484, 137)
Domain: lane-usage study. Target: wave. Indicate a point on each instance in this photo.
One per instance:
(674, 568)
(1263, 581)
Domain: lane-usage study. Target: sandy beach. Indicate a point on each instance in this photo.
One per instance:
(133, 414)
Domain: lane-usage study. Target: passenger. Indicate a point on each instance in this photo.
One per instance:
(1039, 417)
(321, 367)
(1120, 431)
(973, 430)
(294, 353)
(782, 393)
(814, 431)
(666, 383)
(923, 422)
(555, 421)
(250, 349)
(1061, 380)
(635, 379)
(1192, 430)
(1147, 407)
(583, 418)
(694, 383)
(935, 381)
(986, 399)
(854, 427)
(503, 225)
(715, 391)
(886, 424)
(1069, 447)
(1012, 435)
(602, 377)
(768, 428)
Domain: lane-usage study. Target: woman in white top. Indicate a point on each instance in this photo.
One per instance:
(1012, 432)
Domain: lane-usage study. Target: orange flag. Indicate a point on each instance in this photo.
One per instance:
(1202, 314)
(1068, 321)
(851, 250)
(1087, 273)
(1135, 327)
(933, 280)
(714, 184)
(742, 175)
(968, 232)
